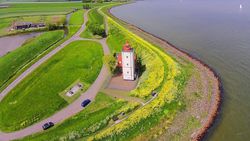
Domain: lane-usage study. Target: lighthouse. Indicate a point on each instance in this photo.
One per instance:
(128, 62)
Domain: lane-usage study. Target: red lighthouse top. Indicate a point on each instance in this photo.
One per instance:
(127, 47)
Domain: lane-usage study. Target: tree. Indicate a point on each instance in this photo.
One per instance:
(97, 29)
(86, 1)
(110, 61)
(86, 6)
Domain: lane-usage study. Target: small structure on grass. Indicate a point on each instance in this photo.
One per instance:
(127, 61)
(26, 25)
(4, 5)
(72, 91)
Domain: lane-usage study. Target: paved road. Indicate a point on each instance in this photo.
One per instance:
(74, 107)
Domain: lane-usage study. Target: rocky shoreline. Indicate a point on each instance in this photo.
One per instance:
(216, 98)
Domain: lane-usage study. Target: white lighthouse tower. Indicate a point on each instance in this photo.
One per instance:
(128, 62)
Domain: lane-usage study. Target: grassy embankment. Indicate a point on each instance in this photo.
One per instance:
(12, 62)
(75, 22)
(80, 60)
(163, 74)
(95, 117)
(94, 18)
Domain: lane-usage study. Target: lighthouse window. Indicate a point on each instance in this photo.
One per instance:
(126, 56)
(127, 64)
(127, 72)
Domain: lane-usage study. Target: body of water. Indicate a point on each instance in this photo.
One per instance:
(218, 33)
(10, 43)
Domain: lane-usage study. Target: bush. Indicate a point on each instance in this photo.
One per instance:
(97, 29)
(86, 6)
(86, 1)
(110, 61)
(55, 27)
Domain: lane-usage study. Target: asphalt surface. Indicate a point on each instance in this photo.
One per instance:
(71, 109)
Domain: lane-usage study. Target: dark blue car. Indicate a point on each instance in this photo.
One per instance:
(48, 125)
(85, 102)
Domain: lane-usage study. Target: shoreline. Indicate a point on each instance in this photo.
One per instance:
(215, 102)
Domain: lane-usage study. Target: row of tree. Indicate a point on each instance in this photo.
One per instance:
(98, 1)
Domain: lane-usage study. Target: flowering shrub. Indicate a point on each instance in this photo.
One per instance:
(129, 107)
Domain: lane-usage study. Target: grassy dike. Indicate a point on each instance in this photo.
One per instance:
(200, 101)
(75, 22)
(94, 18)
(11, 63)
(80, 60)
(163, 73)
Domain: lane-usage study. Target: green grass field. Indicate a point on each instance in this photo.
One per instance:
(92, 119)
(11, 63)
(79, 60)
(94, 17)
(50, 8)
(24, 9)
(75, 22)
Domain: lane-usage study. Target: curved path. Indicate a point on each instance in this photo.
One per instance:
(71, 109)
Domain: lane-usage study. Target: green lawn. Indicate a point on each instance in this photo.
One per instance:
(50, 8)
(75, 22)
(94, 17)
(92, 119)
(79, 60)
(11, 63)
(24, 9)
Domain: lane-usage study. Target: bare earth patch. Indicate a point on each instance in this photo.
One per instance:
(118, 83)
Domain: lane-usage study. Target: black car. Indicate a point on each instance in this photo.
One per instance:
(153, 93)
(48, 125)
(85, 102)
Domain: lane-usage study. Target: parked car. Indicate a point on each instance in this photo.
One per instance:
(153, 93)
(85, 102)
(48, 125)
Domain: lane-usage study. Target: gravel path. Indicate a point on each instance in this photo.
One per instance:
(74, 107)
